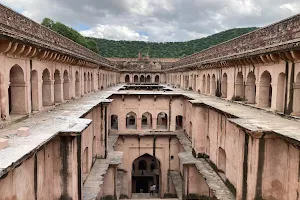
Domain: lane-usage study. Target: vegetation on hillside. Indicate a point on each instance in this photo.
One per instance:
(70, 33)
(130, 49)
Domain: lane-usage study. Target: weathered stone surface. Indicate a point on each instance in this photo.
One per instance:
(23, 132)
(3, 143)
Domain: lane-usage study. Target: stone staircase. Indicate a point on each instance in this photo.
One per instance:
(177, 181)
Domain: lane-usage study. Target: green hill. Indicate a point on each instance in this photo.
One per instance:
(130, 49)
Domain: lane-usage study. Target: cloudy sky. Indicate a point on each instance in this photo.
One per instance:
(156, 20)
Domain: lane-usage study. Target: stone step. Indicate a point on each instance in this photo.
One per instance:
(177, 181)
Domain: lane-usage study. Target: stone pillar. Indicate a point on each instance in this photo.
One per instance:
(138, 123)
(154, 123)
(185, 182)
(296, 101)
(263, 98)
(58, 91)
(48, 97)
(250, 93)
(200, 129)
(66, 89)
(70, 177)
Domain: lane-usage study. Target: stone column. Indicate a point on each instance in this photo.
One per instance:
(67, 91)
(48, 97)
(250, 92)
(200, 129)
(296, 101)
(58, 91)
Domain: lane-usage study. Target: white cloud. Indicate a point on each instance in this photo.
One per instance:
(114, 32)
(160, 20)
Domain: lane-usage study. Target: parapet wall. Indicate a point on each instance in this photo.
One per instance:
(15, 25)
(281, 35)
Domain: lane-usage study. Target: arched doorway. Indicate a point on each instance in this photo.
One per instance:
(208, 84)
(92, 82)
(77, 84)
(280, 92)
(239, 86)
(89, 83)
(156, 79)
(142, 79)
(250, 88)
(296, 104)
(99, 81)
(148, 79)
(85, 161)
(162, 121)
(145, 172)
(114, 122)
(265, 90)
(147, 120)
(127, 79)
(179, 122)
(57, 87)
(136, 79)
(85, 83)
(46, 88)
(34, 91)
(17, 91)
(222, 160)
(224, 86)
(131, 120)
(213, 85)
(203, 89)
(66, 85)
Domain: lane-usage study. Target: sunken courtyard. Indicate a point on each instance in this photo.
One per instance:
(220, 124)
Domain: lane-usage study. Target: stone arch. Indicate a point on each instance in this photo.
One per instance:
(77, 84)
(162, 121)
(203, 89)
(136, 79)
(265, 90)
(88, 82)
(222, 160)
(131, 120)
(148, 79)
(34, 91)
(296, 104)
(208, 84)
(17, 91)
(156, 79)
(84, 83)
(127, 79)
(85, 161)
(213, 85)
(191, 129)
(239, 86)
(92, 82)
(250, 93)
(147, 120)
(114, 122)
(57, 87)
(94, 147)
(142, 79)
(66, 85)
(142, 165)
(280, 99)
(149, 164)
(46, 88)
(224, 85)
(179, 122)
